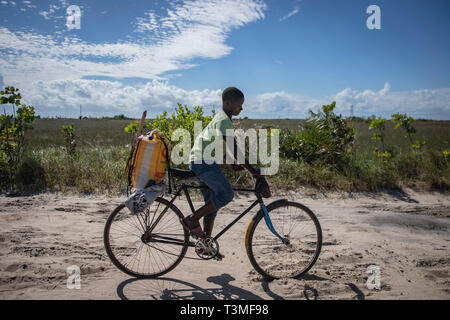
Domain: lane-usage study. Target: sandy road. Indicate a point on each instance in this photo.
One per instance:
(407, 236)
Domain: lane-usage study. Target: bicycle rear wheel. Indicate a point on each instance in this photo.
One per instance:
(269, 255)
(151, 255)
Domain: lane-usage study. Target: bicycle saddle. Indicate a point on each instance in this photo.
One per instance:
(183, 174)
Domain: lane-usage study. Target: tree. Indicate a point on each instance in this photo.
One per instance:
(183, 117)
(378, 135)
(12, 131)
(69, 138)
(326, 139)
(405, 122)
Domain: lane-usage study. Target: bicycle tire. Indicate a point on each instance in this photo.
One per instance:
(266, 266)
(113, 250)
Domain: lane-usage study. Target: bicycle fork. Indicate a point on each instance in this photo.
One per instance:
(270, 225)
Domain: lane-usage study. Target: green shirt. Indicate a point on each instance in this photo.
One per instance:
(217, 128)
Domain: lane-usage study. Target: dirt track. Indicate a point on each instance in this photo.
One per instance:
(406, 235)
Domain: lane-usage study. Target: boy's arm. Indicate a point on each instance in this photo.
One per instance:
(236, 151)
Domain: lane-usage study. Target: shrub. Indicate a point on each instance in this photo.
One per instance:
(69, 138)
(327, 139)
(183, 117)
(378, 135)
(290, 144)
(405, 122)
(12, 133)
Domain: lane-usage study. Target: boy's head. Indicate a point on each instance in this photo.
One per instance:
(232, 100)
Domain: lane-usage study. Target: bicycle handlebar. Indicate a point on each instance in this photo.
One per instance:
(262, 187)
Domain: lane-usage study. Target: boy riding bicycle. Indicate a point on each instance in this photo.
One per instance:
(220, 191)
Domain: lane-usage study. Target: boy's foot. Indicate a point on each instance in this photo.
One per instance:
(219, 256)
(193, 227)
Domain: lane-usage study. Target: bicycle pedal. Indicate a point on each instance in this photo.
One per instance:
(207, 248)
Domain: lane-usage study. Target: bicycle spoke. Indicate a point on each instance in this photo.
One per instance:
(132, 255)
(273, 258)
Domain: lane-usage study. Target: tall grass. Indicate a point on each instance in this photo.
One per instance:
(103, 146)
(99, 170)
(88, 170)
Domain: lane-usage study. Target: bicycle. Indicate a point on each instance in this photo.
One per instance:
(154, 242)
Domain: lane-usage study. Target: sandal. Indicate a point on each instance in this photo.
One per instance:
(196, 230)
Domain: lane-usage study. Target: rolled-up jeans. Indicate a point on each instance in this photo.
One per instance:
(220, 191)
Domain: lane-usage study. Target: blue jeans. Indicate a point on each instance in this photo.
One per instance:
(220, 192)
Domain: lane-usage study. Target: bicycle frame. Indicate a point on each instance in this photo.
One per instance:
(185, 187)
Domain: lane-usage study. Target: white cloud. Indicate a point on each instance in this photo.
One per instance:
(100, 97)
(6, 2)
(362, 99)
(279, 104)
(192, 29)
(55, 9)
(147, 23)
(199, 28)
(290, 14)
(29, 5)
(425, 103)
(26, 4)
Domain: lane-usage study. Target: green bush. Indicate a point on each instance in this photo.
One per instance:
(290, 144)
(327, 139)
(405, 122)
(320, 156)
(12, 134)
(69, 138)
(183, 117)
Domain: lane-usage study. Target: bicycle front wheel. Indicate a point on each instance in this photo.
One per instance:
(144, 254)
(274, 259)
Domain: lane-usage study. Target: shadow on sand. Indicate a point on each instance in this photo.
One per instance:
(174, 289)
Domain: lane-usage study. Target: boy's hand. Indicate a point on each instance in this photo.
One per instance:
(256, 172)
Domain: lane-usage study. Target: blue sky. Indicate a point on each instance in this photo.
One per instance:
(287, 56)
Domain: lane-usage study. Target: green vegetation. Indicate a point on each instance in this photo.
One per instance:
(183, 117)
(378, 135)
(330, 153)
(405, 122)
(12, 134)
(69, 138)
(326, 139)
(325, 151)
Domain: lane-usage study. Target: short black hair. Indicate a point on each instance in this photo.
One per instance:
(232, 94)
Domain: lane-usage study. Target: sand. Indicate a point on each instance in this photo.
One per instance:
(406, 235)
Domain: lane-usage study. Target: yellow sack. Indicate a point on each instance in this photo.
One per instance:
(150, 160)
